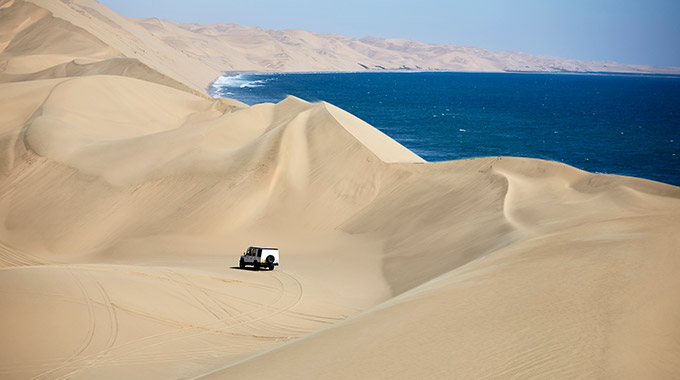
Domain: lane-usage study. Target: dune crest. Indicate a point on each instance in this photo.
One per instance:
(127, 196)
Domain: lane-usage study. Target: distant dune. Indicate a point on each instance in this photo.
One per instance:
(241, 48)
(127, 196)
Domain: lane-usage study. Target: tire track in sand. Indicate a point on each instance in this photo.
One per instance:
(92, 327)
(211, 352)
(10, 257)
(92, 324)
(298, 293)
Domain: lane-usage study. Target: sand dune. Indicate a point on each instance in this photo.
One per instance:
(73, 188)
(48, 39)
(228, 47)
(126, 199)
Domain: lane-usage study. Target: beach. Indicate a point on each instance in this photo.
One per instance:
(127, 196)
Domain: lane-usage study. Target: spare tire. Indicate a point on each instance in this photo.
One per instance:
(270, 259)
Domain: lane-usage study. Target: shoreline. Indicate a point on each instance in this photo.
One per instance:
(227, 74)
(273, 87)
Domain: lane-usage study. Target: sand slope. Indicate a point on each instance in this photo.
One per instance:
(228, 47)
(77, 255)
(125, 202)
(587, 292)
(47, 39)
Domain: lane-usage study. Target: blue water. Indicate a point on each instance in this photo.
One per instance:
(626, 125)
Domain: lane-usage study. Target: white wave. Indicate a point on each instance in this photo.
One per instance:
(238, 81)
(255, 83)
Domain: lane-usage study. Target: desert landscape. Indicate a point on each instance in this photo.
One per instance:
(127, 195)
(237, 48)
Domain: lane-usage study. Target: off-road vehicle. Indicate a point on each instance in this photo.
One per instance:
(260, 257)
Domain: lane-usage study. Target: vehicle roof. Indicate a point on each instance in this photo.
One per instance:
(262, 248)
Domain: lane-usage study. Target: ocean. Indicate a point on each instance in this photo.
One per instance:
(616, 124)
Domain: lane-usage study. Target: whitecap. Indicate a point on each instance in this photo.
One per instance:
(255, 83)
(236, 81)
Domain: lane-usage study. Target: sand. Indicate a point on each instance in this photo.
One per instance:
(234, 48)
(127, 196)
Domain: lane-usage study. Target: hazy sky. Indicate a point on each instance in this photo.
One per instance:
(627, 31)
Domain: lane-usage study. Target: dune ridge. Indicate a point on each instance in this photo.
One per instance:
(126, 197)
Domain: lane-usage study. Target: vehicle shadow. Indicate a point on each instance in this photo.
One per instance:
(251, 268)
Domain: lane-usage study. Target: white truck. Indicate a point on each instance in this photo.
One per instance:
(260, 257)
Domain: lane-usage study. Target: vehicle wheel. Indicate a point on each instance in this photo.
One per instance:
(270, 260)
(256, 266)
(241, 264)
(271, 267)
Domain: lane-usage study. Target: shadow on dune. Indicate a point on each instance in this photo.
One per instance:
(250, 269)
